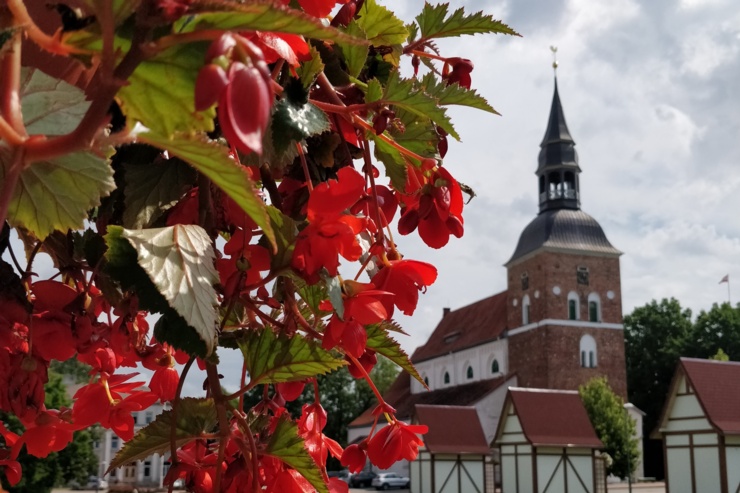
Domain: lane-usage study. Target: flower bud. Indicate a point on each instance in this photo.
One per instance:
(455, 226)
(209, 85)
(408, 222)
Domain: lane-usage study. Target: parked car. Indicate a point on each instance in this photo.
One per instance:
(93, 483)
(343, 475)
(389, 480)
(362, 479)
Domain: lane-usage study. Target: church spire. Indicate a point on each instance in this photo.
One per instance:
(558, 161)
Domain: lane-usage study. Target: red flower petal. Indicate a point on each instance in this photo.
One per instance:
(334, 196)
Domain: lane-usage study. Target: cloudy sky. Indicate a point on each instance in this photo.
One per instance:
(651, 95)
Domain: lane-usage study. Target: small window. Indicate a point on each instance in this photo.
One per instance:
(525, 281)
(114, 442)
(582, 275)
(588, 352)
(593, 311)
(426, 381)
(147, 469)
(572, 310)
(525, 310)
(446, 378)
(494, 366)
(469, 373)
(149, 417)
(136, 418)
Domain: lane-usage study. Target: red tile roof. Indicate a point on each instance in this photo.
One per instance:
(452, 430)
(717, 385)
(469, 326)
(400, 397)
(553, 417)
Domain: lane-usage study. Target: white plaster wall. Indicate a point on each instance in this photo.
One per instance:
(479, 357)
(490, 407)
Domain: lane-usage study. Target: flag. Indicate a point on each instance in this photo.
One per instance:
(725, 279)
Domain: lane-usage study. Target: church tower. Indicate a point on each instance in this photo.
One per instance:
(564, 304)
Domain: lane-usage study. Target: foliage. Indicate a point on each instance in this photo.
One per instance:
(218, 163)
(720, 355)
(614, 427)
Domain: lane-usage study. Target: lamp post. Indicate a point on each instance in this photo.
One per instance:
(627, 450)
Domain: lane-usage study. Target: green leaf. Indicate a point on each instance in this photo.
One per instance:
(172, 329)
(434, 23)
(179, 260)
(50, 106)
(153, 188)
(354, 54)
(294, 121)
(382, 343)
(381, 25)
(161, 92)
(285, 233)
(195, 417)
(403, 94)
(56, 194)
(454, 94)
(395, 164)
(418, 134)
(374, 91)
(213, 160)
(309, 70)
(263, 16)
(334, 290)
(286, 445)
(272, 358)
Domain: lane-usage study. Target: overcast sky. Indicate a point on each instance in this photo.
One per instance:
(651, 95)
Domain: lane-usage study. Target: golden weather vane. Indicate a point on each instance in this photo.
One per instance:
(554, 50)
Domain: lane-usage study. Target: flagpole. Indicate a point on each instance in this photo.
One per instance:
(728, 292)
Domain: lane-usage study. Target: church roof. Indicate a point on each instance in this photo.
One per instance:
(717, 387)
(469, 326)
(563, 230)
(466, 437)
(553, 418)
(400, 397)
(557, 147)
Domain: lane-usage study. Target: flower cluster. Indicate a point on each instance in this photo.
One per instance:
(280, 243)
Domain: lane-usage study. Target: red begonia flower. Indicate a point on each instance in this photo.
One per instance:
(164, 383)
(275, 46)
(351, 335)
(12, 471)
(52, 336)
(368, 360)
(405, 278)
(354, 458)
(395, 442)
(290, 390)
(319, 8)
(321, 242)
(48, 433)
(332, 197)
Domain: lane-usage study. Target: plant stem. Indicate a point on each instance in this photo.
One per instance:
(175, 404)
(10, 102)
(223, 423)
(46, 42)
(253, 446)
(12, 176)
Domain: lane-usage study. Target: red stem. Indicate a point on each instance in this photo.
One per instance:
(12, 176)
(10, 102)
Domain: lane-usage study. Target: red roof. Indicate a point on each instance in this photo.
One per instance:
(554, 418)
(717, 386)
(400, 397)
(469, 326)
(465, 437)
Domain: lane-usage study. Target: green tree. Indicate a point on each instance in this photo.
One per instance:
(720, 355)
(613, 425)
(714, 329)
(76, 462)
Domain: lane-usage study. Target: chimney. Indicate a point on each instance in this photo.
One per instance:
(445, 311)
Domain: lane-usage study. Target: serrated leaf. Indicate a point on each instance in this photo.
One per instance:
(153, 188)
(402, 93)
(294, 121)
(272, 358)
(395, 164)
(179, 260)
(454, 94)
(309, 70)
(172, 329)
(50, 106)
(194, 418)
(418, 135)
(382, 343)
(374, 91)
(285, 233)
(56, 194)
(286, 445)
(263, 15)
(381, 25)
(213, 160)
(434, 23)
(161, 91)
(354, 55)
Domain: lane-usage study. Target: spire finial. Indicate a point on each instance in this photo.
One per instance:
(554, 50)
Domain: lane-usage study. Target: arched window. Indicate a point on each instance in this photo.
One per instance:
(469, 373)
(446, 378)
(594, 308)
(494, 366)
(574, 310)
(525, 310)
(589, 357)
(426, 380)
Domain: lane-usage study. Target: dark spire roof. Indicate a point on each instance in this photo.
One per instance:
(557, 130)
